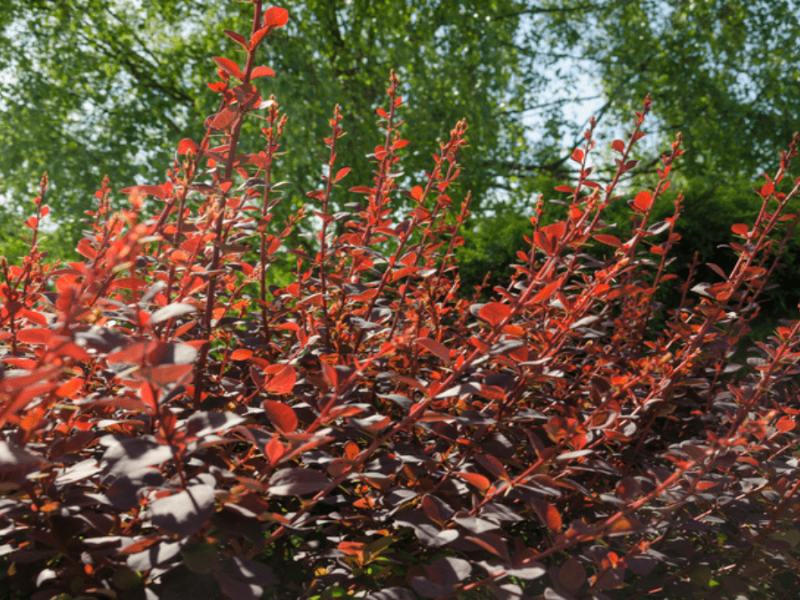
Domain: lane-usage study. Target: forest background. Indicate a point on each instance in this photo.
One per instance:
(90, 88)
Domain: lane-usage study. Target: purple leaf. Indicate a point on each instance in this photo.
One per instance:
(129, 455)
(185, 512)
(296, 482)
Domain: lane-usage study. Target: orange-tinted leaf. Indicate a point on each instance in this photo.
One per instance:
(140, 545)
(577, 155)
(188, 146)
(624, 525)
(552, 517)
(767, 190)
(341, 174)
(258, 36)
(351, 450)
(494, 312)
(283, 382)
(564, 188)
(241, 354)
(785, 424)
(34, 335)
(274, 450)
(364, 296)
(262, 72)
(546, 292)
(276, 17)
(281, 415)
(479, 481)
(416, 193)
(618, 145)
(227, 65)
(69, 387)
(643, 201)
(740, 229)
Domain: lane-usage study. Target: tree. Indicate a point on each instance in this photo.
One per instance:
(97, 78)
(101, 86)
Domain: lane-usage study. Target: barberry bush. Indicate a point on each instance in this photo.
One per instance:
(177, 425)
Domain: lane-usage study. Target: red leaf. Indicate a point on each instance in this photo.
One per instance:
(224, 118)
(643, 201)
(494, 312)
(283, 382)
(767, 190)
(241, 354)
(399, 144)
(608, 239)
(276, 17)
(188, 146)
(618, 145)
(69, 387)
(479, 481)
(274, 450)
(258, 36)
(785, 424)
(262, 72)
(564, 188)
(34, 335)
(416, 193)
(341, 174)
(546, 292)
(281, 415)
(740, 229)
(364, 296)
(139, 546)
(435, 347)
(227, 65)
(361, 189)
(577, 155)
(239, 39)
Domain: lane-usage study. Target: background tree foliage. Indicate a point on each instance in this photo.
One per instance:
(95, 87)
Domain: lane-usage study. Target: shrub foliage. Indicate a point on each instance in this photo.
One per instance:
(176, 425)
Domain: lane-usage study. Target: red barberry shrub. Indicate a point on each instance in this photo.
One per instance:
(176, 426)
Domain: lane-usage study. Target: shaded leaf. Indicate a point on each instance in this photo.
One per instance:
(171, 311)
(297, 482)
(129, 455)
(185, 512)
